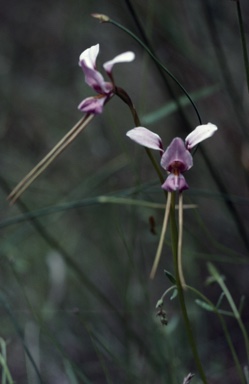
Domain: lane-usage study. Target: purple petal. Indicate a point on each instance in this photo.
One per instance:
(177, 157)
(95, 80)
(122, 58)
(200, 133)
(89, 56)
(92, 104)
(175, 183)
(145, 137)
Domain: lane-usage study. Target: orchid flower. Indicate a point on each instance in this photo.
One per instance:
(95, 80)
(177, 158)
(91, 105)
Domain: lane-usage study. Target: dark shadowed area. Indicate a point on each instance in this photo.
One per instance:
(76, 250)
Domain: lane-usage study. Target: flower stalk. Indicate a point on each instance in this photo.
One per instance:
(189, 331)
(120, 92)
(180, 237)
(106, 19)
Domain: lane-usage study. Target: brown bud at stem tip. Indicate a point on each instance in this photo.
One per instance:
(102, 18)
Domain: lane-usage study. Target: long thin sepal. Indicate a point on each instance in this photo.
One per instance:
(44, 163)
(160, 245)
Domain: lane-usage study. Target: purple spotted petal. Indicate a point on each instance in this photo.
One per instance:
(200, 133)
(92, 104)
(122, 58)
(177, 157)
(145, 137)
(175, 183)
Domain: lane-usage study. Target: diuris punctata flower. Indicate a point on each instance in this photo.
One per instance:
(91, 106)
(95, 80)
(177, 158)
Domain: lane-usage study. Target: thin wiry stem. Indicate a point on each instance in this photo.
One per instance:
(225, 330)
(223, 64)
(188, 326)
(219, 279)
(164, 229)
(106, 19)
(218, 312)
(126, 98)
(19, 332)
(6, 375)
(180, 237)
(155, 165)
(243, 40)
(44, 163)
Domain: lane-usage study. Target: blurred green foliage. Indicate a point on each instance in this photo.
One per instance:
(76, 302)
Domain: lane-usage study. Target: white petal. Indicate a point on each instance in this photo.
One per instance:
(89, 56)
(122, 58)
(200, 133)
(145, 137)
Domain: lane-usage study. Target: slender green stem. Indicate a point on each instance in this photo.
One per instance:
(226, 332)
(246, 372)
(5, 372)
(123, 95)
(223, 63)
(126, 98)
(13, 320)
(6, 375)
(180, 237)
(222, 321)
(174, 242)
(155, 165)
(214, 272)
(106, 19)
(161, 300)
(243, 40)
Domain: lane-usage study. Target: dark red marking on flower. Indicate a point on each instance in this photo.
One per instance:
(152, 223)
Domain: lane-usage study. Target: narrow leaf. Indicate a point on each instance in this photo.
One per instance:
(174, 294)
(204, 305)
(170, 277)
(172, 107)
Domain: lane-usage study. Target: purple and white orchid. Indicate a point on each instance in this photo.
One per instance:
(177, 158)
(95, 80)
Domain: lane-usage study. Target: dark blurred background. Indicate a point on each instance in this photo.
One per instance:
(76, 301)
